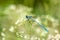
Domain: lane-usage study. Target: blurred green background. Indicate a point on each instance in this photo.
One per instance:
(14, 26)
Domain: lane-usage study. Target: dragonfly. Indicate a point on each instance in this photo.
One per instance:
(41, 25)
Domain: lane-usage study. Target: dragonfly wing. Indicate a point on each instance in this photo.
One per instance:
(42, 26)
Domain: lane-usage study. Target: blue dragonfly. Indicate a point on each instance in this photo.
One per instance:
(41, 25)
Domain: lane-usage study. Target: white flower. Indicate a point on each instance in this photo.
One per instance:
(3, 38)
(3, 34)
(11, 29)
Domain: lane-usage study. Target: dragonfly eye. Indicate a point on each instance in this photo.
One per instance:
(26, 16)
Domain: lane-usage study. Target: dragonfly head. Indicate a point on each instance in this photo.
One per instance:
(28, 17)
